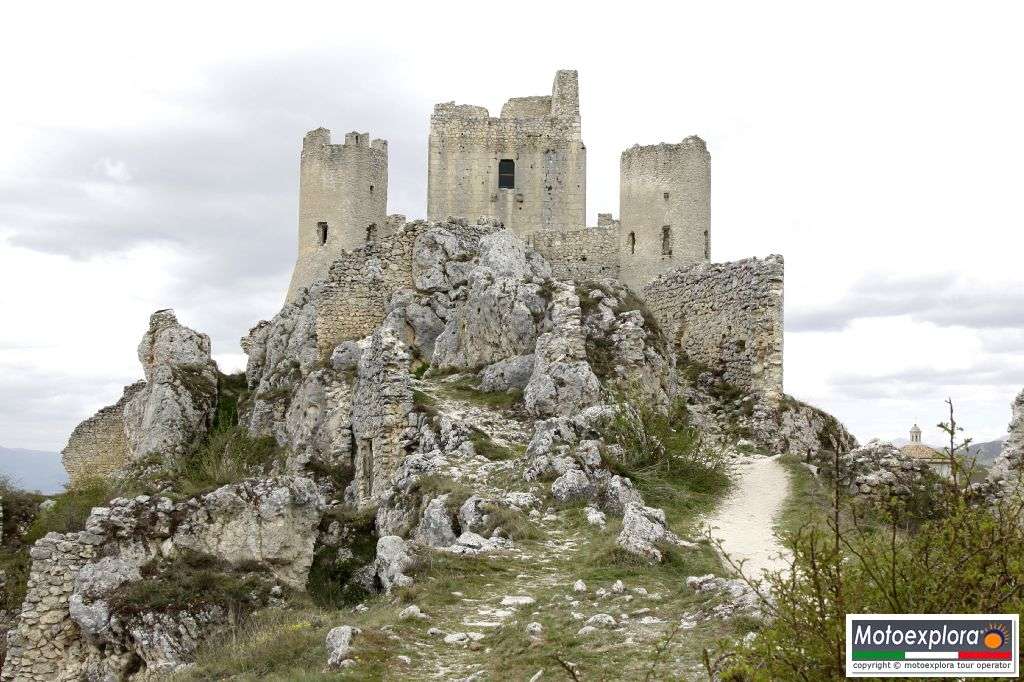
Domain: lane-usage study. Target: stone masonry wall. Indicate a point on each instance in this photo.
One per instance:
(344, 186)
(46, 644)
(354, 299)
(727, 316)
(540, 134)
(97, 446)
(590, 253)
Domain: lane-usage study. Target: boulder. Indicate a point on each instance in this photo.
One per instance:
(270, 521)
(339, 643)
(643, 528)
(392, 562)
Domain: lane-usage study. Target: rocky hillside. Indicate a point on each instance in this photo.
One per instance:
(505, 479)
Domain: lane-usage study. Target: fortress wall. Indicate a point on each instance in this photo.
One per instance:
(727, 316)
(664, 186)
(342, 185)
(540, 134)
(590, 253)
(353, 300)
(98, 446)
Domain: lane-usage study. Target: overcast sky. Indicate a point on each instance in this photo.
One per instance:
(149, 160)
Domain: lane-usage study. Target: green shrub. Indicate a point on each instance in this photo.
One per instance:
(72, 508)
(329, 583)
(228, 455)
(192, 580)
(665, 456)
(232, 392)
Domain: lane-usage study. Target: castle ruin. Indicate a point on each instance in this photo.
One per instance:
(527, 170)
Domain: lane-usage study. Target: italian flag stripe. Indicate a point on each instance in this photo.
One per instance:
(952, 655)
(878, 655)
(931, 655)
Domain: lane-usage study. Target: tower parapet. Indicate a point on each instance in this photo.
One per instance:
(665, 208)
(343, 192)
(526, 168)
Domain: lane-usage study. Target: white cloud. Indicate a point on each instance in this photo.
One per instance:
(151, 163)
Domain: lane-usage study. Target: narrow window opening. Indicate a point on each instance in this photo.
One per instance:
(665, 195)
(632, 243)
(321, 233)
(371, 232)
(366, 450)
(666, 241)
(707, 246)
(506, 174)
(371, 189)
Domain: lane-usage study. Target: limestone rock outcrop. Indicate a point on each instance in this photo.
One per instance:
(70, 627)
(165, 415)
(562, 382)
(177, 405)
(503, 305)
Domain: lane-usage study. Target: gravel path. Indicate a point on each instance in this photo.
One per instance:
(744, 521)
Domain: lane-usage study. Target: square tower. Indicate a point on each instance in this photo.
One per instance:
(526, 168)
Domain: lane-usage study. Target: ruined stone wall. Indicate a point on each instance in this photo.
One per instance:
(590, 253)
(727, 316)
(664, 187)
(354, 299)
(46, 645)
(344, 186)
(540, 134)
(98, 446)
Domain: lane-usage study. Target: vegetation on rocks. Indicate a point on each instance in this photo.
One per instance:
(891, 557)
(190, 581)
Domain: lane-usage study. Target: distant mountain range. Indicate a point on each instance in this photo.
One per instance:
(33, 469)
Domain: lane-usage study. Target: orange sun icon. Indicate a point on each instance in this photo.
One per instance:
(994, 636)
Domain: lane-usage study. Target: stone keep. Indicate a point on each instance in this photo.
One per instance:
(343, 192)
(536, 143)
(665, 209)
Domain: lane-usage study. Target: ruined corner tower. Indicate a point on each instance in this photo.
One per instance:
(343, 191)
(665, 209)
(527, 168)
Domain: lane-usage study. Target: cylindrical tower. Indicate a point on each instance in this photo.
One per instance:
(665, 207)
(343, 190)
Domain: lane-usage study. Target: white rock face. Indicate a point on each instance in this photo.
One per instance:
(435, 529)
(1010, 462)
(510, 374)
(503, 304)
(562, 382)
(177, 405)
(303, 404)
(272, 521)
